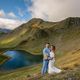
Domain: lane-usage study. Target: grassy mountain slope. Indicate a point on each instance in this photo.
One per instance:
(4, 31)
(64, 34)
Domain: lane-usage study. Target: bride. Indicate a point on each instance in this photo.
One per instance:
(51, 68)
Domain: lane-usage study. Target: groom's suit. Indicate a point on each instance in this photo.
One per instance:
(46, 54)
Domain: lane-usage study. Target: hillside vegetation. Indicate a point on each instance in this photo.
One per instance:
(33, 35)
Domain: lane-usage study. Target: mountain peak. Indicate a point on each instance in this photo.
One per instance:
(73, 18)
(73, 21)
(34, 22)
(36, 19)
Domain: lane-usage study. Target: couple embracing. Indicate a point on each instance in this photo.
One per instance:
(48, 60)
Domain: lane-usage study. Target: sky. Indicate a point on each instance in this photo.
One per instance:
(16, 12)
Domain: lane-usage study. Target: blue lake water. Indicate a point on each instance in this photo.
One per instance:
(19, 59)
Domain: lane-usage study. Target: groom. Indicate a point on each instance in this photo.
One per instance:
(46, 58)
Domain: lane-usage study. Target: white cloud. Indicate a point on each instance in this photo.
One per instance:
(2, 13)
(21, 12)
(10, 23)
(55, 10)
(11, 14)
(24, 11)
(9, 20)
(7, 15)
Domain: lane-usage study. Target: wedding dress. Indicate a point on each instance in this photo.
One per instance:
(51, 68)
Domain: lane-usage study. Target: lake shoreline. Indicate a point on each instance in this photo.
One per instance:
(6, 58)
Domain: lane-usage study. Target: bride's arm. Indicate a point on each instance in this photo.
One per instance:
(53, 55)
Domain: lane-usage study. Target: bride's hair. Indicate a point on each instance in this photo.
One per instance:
(53, 47)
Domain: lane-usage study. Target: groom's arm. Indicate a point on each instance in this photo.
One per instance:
(46, 57)
(50, 58)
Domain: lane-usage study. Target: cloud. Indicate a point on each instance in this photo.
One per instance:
(11, 14)
(54, 10)
(10, 23)
(2, 13)
(7, 15)
(9, 20)
(21, 12)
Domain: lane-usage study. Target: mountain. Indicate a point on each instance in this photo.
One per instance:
(33, 35)
(4, 30)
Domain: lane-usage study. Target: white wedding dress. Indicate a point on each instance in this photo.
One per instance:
(51, 68)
